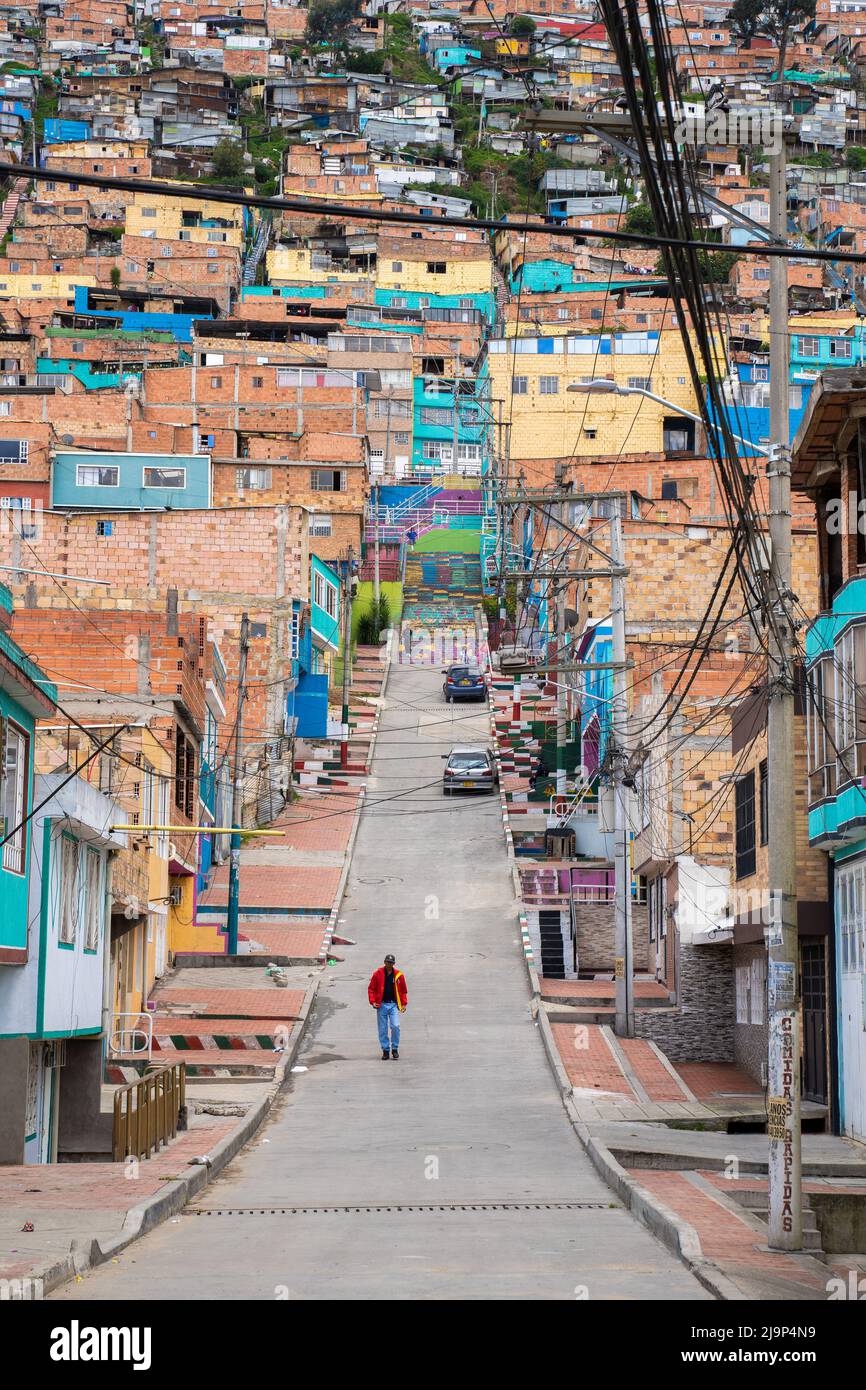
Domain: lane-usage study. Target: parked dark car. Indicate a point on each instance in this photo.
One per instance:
(464, 682)
(469, 768)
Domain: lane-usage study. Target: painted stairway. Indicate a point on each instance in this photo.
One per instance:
(441, 598)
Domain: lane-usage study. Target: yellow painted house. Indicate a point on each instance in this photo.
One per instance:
(434, 272)
(169, 218)
(140, 955)
(290, 265)
(29, 286)
(531, 377)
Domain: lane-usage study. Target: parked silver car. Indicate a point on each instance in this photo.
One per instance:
(469, 768)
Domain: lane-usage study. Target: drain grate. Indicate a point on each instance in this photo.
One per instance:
(404, 1206)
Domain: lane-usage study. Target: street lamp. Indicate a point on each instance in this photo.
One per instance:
(601, 386)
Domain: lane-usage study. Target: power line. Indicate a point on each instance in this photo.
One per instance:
(313, 206)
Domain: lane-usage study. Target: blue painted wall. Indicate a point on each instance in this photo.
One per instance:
(135, 320)
(326, 628)
(15, 886)
(482, 302)
(130, 494)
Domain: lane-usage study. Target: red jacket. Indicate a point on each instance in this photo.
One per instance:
(376, 988)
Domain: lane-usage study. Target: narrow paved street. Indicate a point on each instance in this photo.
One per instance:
(469, 1114)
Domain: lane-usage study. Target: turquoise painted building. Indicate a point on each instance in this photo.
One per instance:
(110, 481)
(438, 412)
(324, 606)
(26, 695)
(551, 276)
(454, 56)
(812, 351)
(483, 304)
(836, 668)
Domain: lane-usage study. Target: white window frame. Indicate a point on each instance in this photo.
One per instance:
(69, 889)
(81, 468)
(154, 468)
(13, 850)
(93, 898)
(264, 479)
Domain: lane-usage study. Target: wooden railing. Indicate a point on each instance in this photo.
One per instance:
(149, 1112)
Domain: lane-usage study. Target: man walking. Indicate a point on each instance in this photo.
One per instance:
(388, 994)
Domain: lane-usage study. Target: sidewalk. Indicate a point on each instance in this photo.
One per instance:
(85, 1213)
(233, 1026)
(671, 1139)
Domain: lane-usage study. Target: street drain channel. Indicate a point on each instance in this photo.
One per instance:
(405, 1206)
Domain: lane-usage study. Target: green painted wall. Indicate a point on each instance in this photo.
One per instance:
(464, 542)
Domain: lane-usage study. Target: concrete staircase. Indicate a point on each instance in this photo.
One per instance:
(756, 1203)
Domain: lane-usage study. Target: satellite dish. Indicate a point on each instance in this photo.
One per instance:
(570, 617)
(67, 439)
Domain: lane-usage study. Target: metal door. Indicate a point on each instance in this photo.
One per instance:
(814, 991)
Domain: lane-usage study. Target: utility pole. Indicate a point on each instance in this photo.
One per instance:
(376, 575)
(623, 947)
(561, 591)
(785, 1225)
(347, 663)
(237, 796)
(457, 373)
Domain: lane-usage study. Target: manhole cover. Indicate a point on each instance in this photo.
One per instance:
(389, 878)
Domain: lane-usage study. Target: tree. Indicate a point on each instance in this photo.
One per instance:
(640, 219)
(228, 159)
(115, 277)
(522, 27)
(329, 22)
(776, 18)
(855, 157)
(745, 19)
(716, 266)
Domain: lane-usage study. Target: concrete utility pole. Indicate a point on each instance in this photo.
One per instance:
(561, 591)
(783, 989)
(623, 947)
(347, 662)
(237, 796)
(376, 576)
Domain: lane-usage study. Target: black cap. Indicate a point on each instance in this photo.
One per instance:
(389, 960)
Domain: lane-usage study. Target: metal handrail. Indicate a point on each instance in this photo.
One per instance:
(122, 1040)
(149, 1112)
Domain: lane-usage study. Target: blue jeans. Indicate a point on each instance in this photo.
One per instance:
(388, 1015)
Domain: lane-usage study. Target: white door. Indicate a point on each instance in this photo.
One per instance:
(37, 1120)
(161, 951)
(851, 937)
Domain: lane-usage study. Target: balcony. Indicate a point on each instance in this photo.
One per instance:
(836, 720)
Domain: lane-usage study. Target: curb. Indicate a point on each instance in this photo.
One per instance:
(676, 1235)
(331, 927)
(87, 1254)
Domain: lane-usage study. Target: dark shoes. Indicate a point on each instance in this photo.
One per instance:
(395, 1054)
(386, 1056)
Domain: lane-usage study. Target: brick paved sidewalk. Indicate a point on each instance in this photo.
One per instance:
(734, 1244)
(84, 1201)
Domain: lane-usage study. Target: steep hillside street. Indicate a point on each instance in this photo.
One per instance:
(477, 1184)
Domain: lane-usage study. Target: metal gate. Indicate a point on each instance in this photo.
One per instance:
(813, 967)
